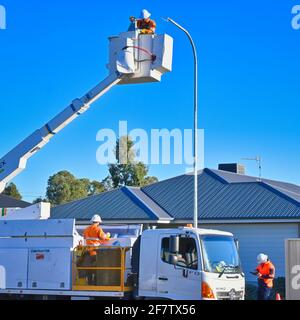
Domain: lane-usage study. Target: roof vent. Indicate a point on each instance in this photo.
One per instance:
(232, 167)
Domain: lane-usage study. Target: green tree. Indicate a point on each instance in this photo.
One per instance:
(38, 200)
(150, 180)
(92, 187)
(12, 191)
(95, 187)
(59, 187)
(127, 171)
(64, 187)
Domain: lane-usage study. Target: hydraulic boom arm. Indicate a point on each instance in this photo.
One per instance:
(129, 63)
(15, 161)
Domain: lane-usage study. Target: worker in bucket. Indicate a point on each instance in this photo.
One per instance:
(94, 237)
(265, 272)
(144, 24)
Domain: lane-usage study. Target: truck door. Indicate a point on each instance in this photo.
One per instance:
(181, 281)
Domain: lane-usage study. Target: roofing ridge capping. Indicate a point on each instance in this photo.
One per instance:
(145, 201)
(271, 185)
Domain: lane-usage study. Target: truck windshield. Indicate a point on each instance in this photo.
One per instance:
(220, 254)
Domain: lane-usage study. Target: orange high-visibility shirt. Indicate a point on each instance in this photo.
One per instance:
(94, 236)
(267, 271)
(149, 27)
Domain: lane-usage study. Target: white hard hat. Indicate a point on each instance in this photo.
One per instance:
(145, 14)
(262, 258)
(96, 218)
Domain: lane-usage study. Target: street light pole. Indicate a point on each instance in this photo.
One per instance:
(195, 120)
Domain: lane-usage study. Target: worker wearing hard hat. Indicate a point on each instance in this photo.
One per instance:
(94, 235)
(144, 24)
(265, 272)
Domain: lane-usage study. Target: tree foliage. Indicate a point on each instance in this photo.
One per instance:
(38, 200)
(12, 191)
(64, 187)
(127, 171)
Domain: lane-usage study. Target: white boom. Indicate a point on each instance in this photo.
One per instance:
(134, 58)
(15, 161)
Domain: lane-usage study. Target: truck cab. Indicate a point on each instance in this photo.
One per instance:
(189, 264)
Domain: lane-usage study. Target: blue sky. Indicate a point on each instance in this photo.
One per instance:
(54, 51)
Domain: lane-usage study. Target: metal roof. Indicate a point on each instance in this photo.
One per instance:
(116, 205)
(290, 190)
(222, 196)
(148, 204)
(8, 202)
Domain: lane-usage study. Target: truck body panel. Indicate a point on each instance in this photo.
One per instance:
(50, 268)
(15, 266)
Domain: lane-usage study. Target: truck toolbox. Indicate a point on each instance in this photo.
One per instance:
(14, 262)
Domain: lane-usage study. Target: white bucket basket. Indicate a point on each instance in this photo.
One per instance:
(144, 58)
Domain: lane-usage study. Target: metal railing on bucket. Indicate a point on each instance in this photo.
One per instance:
(101, 268)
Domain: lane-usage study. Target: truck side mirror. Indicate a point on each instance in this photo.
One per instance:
(173, 249)
(174, 244)
(173, 259)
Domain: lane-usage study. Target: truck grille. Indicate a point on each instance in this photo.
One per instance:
(230, 295)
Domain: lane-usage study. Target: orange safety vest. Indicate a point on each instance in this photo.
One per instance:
(267, 271)
(149, 26)
(94, 237)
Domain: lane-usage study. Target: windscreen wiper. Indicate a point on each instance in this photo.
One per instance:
(225, 268)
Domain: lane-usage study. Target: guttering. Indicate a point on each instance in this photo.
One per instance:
(235, 221)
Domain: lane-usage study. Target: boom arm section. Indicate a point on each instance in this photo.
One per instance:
(133, 58)
(15, 161)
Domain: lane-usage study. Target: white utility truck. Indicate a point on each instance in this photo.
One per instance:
(43, 257)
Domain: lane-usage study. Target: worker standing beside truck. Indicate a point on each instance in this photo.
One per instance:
(94, 237)
(144, 24)
(265, 272)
